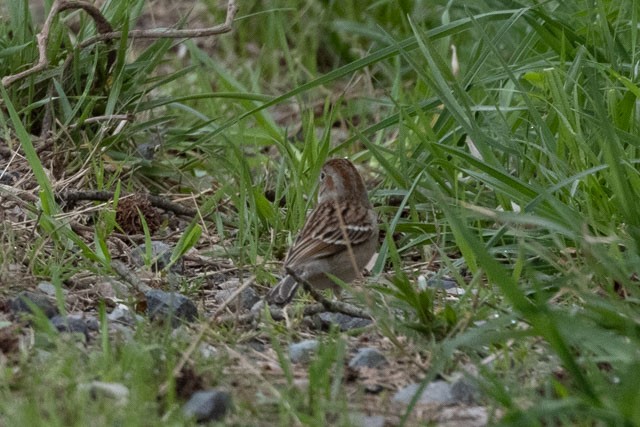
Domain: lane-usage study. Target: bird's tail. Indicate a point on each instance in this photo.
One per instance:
(283, 292)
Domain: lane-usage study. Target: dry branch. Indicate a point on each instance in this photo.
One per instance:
(333, 306)
(105, 196)
(129, 277)
(106, 33)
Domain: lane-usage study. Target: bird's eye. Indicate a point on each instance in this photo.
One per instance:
(322, 175)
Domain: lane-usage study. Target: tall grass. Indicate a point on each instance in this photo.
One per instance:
(542, 196)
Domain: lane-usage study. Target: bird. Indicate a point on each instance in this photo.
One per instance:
(339, 236)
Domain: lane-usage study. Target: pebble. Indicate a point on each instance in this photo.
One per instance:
(99, 389)
(170, 305)
(368, 357)
(70, 324)
(207, 351)
(247, 298)
(441, 283)
(464, 390)
(123, 315)
(147, 150)
(344, 322)
(463, 416)
(437, 392)
(111, 288)
(301, 352)
(19, 306)
(160, 254)
(91, 321)
(8, 178)
(208, 405)
(374, 388)
(49, 289)
(121, 332)
(358, 419)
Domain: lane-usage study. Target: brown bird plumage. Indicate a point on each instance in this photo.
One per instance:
(339, 236)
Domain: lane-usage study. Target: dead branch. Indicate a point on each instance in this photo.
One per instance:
(22, 197)
(106, 33)
(102, 25)
(82, 229)
(105, 196)
(232, 10)
(42, 38)
(276, 313)
(333, 306)
(98, 119)
(127, 275)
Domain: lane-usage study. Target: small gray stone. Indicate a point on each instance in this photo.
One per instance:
(458, 416)
(442, 283)
(70, 324)
(121, 332)
(458, 292)
(116, 391)
(309, 322)
(358, 419)
(7, 177)
(170, 305)
(160, 256)
(207, 351)
(123, 315)
(19, 305)
(111, 288)
(368, 357)
(91, 321)
(344, 321)
(208, 405)
(147, 150)
(49, 289)
(437, 392)
(464, 391)
(302, 351)
(247, 298)
(256, 345)
(373, 388)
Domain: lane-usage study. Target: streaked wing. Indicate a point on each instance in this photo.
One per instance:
(322, 235)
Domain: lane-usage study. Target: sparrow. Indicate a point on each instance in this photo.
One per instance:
(339, 236)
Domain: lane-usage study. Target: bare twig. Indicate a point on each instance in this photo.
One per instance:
(168, 205)
(135, 238)
(276, 313)
(106, 33)
(128, 276)
(219, 266)
(232, 10)
(19, 196)
(97, 119)
(102, 25)
(105, 196)
(42, 38)
(333, 306)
